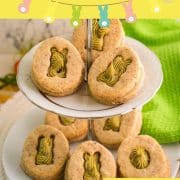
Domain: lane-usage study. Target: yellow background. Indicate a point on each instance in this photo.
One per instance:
(44, 8)
(91, 2)
(142, 178)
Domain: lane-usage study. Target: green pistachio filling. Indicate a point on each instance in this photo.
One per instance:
(140, 158)
(98, 34)
(66, 121)
(45, 151)
(58, 61)
(114, 71)
(113, 124)
(92, 166)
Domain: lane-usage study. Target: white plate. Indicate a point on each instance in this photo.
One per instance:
(83, 106)
(13, 146)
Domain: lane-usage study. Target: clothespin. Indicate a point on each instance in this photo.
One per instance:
(130, 15)
(75, 20)
(104, 21)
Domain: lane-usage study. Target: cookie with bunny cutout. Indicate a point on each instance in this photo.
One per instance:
(142, 157)
(45, 153)
(74, 129)
(118, 78)
(111, 131)
(102, 38)
(90, 160)
(57, 68)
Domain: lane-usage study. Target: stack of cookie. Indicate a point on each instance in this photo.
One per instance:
(109, 131)
(116, 74)
(103, 39)
(46, 153)
(45, 146)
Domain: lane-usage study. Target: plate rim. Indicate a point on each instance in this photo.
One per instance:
(94, 114)
(36, 109)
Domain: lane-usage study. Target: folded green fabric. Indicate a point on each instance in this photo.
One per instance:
(161, 116)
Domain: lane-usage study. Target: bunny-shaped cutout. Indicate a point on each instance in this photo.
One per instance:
(114, 71)
(98, 34)
(92, 166)
(113, 123)
(45, 151)
(58, 62)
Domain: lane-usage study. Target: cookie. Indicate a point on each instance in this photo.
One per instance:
(73, 129)
(90, 160)
(142, 157)
(102, 39)
(118, 78)
(138, 86)
(57, 68)
(79, 39)
(112, 131)
(45, 153)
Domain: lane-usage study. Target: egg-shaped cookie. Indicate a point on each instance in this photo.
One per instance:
(73, 129)
(90, 160)
(102, 38)
(142, 157)
(57, 68)
(118, 78)
(113, 130)
(45, 153)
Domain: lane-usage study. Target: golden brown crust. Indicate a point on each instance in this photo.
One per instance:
(56, 86)
(80, 38)
(127, 83)
(60, 153)
(115, 38)
(74, 132)
(158, 166)
(130, 126)
(138, 85)
(75, 169)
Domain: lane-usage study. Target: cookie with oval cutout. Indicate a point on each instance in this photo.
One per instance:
(142, 157)
(57, 68)
(45, 153)
(90, 160)
(73, 129)
(102, 39)
(113, 130)
(118, 78)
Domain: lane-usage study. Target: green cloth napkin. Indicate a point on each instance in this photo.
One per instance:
(161, 116)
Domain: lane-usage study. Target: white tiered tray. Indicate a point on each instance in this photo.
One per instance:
(82, 105)
(13, 146)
